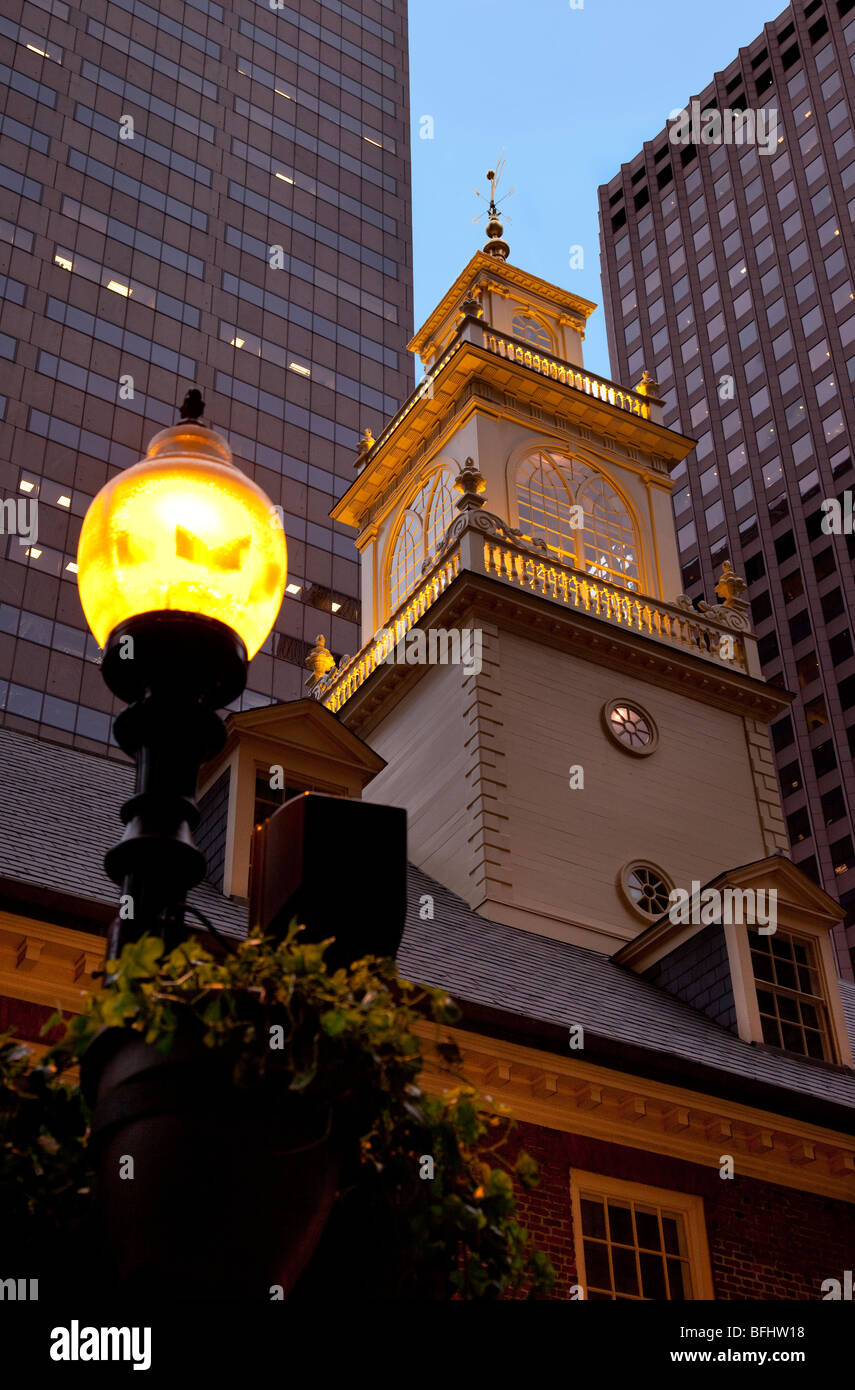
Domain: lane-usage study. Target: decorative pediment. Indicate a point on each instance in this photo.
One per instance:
(798, 898)
(752, 949)
(307, 727)
(485, 270)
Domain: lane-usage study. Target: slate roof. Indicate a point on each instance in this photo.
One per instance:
(500, 967)
(66, 803)
(63, 804)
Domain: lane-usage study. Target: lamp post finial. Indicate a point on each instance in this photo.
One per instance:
(192, 406)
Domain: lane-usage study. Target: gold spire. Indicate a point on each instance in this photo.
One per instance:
(495, 245)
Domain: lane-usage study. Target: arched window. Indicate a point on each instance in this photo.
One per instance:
(544, 503)
(549, 486)
(531, 330)
(422, 528)
(406, 559)
(609, 537)
(441, 513)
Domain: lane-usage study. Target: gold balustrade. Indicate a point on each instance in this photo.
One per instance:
(686, 629)
(567, 375)
(664, 621)
(339, 685)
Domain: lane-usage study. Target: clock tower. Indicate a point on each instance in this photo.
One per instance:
(572, 739)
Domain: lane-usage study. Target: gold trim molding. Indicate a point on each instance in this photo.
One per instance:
(44, 964)
(574, 1096)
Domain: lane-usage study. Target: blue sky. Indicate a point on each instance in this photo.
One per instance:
(570, 94)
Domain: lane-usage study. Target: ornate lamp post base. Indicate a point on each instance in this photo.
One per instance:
(176, 669)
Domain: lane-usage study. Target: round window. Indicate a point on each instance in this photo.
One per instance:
(646, 888)
(631, 726)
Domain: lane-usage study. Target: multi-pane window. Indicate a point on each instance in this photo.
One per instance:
(268, 799)
(549, 487)
(545, 504)
(531, 330)
(608, 538)
(631, 727)
(441, 511)
(647, 889)
(793, 1012)
(637, 1247)
(423, 525)
(406, 560)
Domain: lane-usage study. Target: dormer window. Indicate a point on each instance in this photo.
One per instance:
(267, 799)
(793, 1012)
(531, 330)
(272, 755)
(751, 949)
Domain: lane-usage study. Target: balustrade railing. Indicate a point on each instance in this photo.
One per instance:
(664, 621)
(501, 559)
(339, 685)
(566, 374)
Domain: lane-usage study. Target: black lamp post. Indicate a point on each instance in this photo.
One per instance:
(181, 574)
(181, 569)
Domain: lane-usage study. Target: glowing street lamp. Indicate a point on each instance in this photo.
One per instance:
(181, 573)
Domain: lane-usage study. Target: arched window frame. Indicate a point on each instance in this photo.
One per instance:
(426, 516)
(590, 473)
(522, 314)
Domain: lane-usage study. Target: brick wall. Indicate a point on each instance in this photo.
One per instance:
(765, 1241)
(25, 1020)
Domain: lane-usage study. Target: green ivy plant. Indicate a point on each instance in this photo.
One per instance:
(45, 1175)
(342, 1044)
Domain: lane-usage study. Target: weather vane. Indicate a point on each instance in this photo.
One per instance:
(495, 245)
(493, 178)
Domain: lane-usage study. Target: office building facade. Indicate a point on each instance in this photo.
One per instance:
(193, 195)
(728, 255)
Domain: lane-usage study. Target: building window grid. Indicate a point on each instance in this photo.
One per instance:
(175, 115)
(793, 1012)
(640, 1245)
(302, 59)
(287, 131)
(265, 78)
(39, 43)
(143, 192)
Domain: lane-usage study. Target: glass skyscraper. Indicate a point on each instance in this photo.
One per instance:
(728, 274)
(193, 194)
